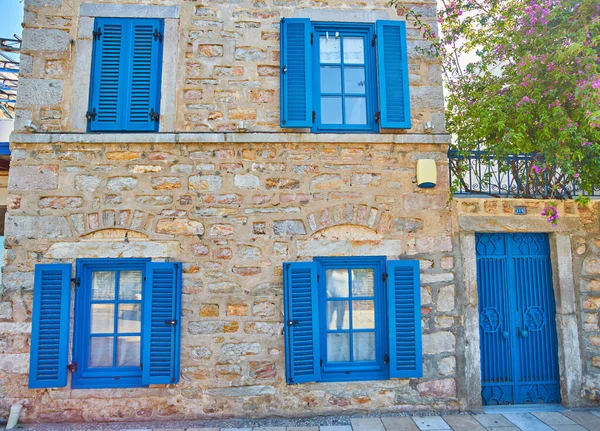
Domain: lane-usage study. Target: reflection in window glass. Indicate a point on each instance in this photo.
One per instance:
(354, 80)
(356, 110)
(103, 285)
(130, 285)
(330, 49)
(331, 79)
(128, 352)
(363, 282)
(103, 318)
(338, 347)
(363, 314)
(331, 110)
(101, 352)
(130, 318)
(337, 283)
(364, 346)
(338, 315)
(354, 50)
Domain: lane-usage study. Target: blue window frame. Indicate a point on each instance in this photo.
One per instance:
(352, 318)
(126, 75)
(353, 315)
(108, 323)
(345, 82)
(344, 77)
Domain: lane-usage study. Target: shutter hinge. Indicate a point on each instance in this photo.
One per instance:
(318, 278)
(321, 362)
(97, 34)
(374, 40)
(73, 367)
(312, 38)
(154, 116)
(91, 115)
(378, 117)
(171, 322)
(76, 281)
(386, 359)
(158, 35)
(284, 70)
(314, 116)
(141, 366)
(384, 277)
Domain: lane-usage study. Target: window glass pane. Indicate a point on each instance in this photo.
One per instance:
(338, 315)
(128, 352)
(364, 346)
(354, 50)
(331, 110)
(331, 79)
(130, 285)
(363, 314)
(363, 282)
(337, 283)
(130, 318)
(354, 80)
(356, 110)
(101, 352)
(330, 49)
(103, 318)
(103, 285)
(338, 347)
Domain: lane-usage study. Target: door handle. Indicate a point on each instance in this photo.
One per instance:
(505, 334)
(524, 332)
(171, 322)
(293, 323)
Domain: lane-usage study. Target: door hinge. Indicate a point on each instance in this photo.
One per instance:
(91, 115)
(284, 70)
(321, 362)
(374, 40)
(384, 277)
(378, 117)
(73, 367)
(141, 366)
(312, 38)
(386, 359)
(76, 281)
(154, 116)
(318, 278)
(314, 116)
(158, 35)
(97, 34)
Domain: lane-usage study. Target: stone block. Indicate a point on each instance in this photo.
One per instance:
(264, 328)
(40, 177)
(213, 327)
(289, 228)
(201, 352)
(205, 183)
(38, 227)
(241, 349)
(179, 226)
(446, 298)
(120, 184)
(87, 183)
(40, 92)
(445, 388)
(44, 39)
(61, 202)
(438, 342)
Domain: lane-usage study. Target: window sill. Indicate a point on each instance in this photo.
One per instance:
(188, 138)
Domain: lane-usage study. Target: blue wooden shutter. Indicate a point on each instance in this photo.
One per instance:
(108, 68)
(301, 316)
(296, 73)
(50, 326)
(404, 311)
(161, 323)
(392, 69)
(143, 77)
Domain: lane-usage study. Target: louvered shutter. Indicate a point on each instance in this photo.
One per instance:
(301, 315)
(108, 70)
(404, 311)
(392, 70)
(161, 323)
(296, 73)
(143, 95)
(50, 326)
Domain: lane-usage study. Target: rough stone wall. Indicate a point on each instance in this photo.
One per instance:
(228, 62)
(232, 213)
(582, 226)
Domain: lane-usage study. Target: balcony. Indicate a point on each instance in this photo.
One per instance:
(516, 176)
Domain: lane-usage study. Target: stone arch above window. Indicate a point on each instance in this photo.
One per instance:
(98, 225)
(374, 219)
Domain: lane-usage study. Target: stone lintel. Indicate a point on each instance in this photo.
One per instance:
(128, 10)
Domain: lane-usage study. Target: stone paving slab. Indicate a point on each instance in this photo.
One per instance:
(583, 418)
(526, 421)
(493, 421)
(430, 423)
(399, 424)
(553, 418)
(367, 424)
(463, 423)
(569, 428)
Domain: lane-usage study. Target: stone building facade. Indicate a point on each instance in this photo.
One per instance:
(233, 201)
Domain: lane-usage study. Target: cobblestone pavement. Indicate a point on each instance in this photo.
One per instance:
(511, 420)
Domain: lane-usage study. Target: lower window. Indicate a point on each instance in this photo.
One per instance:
(108, 323)
(352, 318)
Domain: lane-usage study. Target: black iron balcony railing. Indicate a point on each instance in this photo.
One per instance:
(523, 175)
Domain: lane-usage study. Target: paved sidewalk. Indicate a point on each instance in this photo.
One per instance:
(498, 420)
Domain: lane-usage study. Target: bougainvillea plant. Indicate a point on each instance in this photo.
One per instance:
(521, 76)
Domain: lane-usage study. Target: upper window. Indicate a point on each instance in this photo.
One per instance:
(127, 324)
(347, 319)
(126, 75)
(344, 77)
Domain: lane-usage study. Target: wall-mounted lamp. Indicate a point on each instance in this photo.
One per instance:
(426, 173)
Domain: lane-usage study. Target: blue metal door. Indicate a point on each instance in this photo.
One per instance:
(517, 327)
